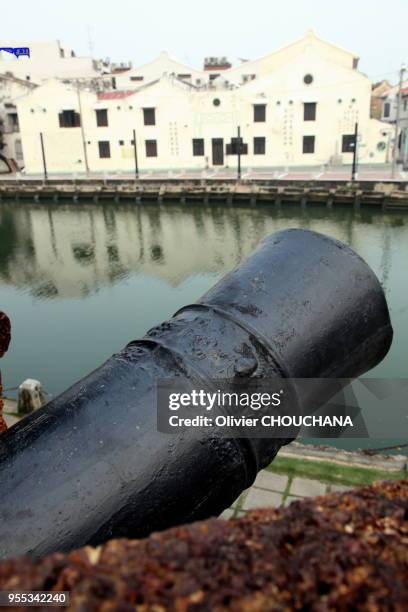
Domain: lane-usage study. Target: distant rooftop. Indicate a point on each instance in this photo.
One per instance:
(114, 95)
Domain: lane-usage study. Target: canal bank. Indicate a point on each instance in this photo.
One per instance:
(382, 194)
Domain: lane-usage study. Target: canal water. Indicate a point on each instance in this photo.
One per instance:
(79, 281)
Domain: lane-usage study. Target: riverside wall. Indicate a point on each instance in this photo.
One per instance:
(383, 194)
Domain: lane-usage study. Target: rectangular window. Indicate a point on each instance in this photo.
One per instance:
(184, 76)
(347, 145)
(237, 145)
(69, 119)
(259, 145)
(151, 148)
(18, 149)
(198, 146)
(121, 143)
(387, 108)
(102, 117)
(13, 122)
(149, 116)
(259, 113)
(308, 144)
(136, 78)
(309, 111)
(104, 148)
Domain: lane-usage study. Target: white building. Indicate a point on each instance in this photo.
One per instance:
(48, 60)
(300, 108)
(10, 138)
(20, 75)
(389, 114)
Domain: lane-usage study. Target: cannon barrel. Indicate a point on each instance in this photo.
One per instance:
(91, 464)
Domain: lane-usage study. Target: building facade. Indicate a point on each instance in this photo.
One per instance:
(11, 148)
(379, 90)
(19, 76)
(298, 108)
(389, 115)
(49, 60)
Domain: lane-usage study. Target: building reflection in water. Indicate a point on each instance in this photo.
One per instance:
(74, 250)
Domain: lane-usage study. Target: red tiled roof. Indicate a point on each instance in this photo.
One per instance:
(114, 95)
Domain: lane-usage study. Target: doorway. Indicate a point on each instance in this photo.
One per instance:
(218, 151)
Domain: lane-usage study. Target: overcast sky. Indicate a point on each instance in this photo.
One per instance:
(377, 30)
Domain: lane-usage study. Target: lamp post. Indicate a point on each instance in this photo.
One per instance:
(135, 153)
(43, 157)
(82, 128)
(354, 167)
(239, 153)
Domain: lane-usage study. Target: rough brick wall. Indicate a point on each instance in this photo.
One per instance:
(343, 551)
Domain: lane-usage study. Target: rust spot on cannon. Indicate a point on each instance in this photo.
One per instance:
(5, 336)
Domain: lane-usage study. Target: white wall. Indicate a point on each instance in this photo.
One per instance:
(38, 112)
(272, 61)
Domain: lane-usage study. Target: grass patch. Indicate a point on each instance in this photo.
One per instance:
(331, 472)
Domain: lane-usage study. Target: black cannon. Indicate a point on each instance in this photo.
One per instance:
(91, 464)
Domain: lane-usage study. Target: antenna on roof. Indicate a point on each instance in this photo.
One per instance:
(90, 42)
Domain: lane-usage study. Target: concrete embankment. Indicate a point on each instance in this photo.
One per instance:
(382, 194)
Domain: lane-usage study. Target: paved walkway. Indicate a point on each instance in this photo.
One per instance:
(366, 172)
(270, 489)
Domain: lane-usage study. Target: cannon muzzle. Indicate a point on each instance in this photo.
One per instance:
(91, 464)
